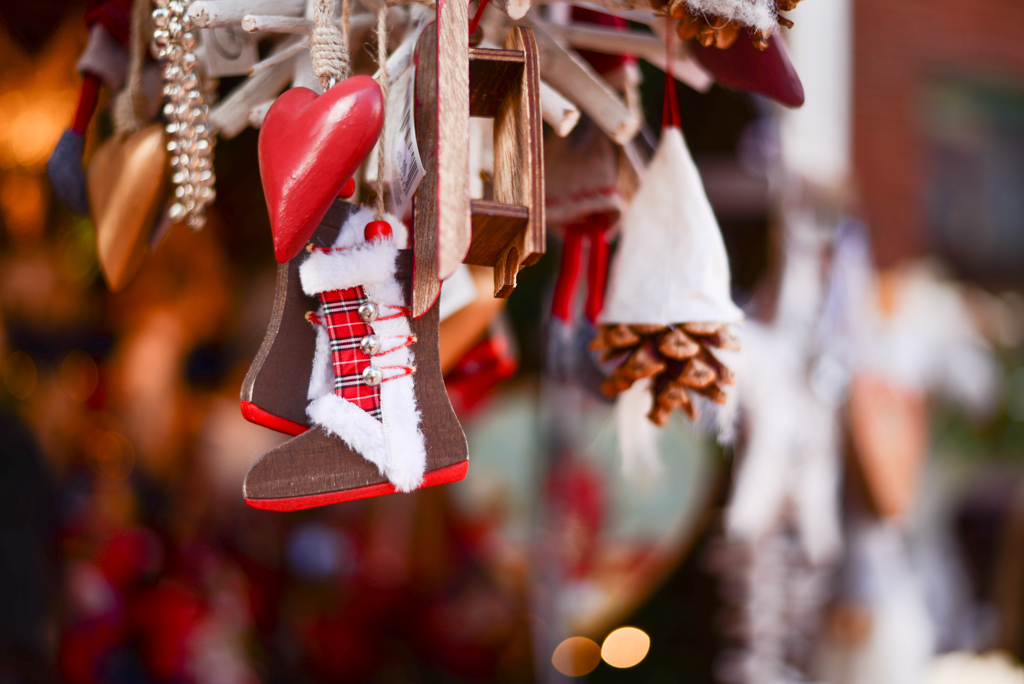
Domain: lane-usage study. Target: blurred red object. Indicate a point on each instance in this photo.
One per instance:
(484, 367)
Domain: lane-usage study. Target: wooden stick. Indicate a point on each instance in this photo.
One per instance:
(231, 115)
(515, 9)
(442, 216)
(609, 41)
(685, 68)
(227, 13)
(571, 75)
(279, 23)
(649, 47)
(276, 23)
(280, 57)
(557, 111)
(258, 113)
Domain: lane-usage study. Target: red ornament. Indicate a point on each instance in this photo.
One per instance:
(744, 67)
(377, 230)
(349, 189)
(309, 147)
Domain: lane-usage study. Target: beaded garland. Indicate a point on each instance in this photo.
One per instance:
(190, 136)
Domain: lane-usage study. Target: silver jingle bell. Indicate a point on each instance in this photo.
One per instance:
(370, 345)
(161, 17)
(372, 376)
(177, 212)
(368, 312)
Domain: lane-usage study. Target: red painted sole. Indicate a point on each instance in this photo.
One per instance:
(441, 476)
(254, 414)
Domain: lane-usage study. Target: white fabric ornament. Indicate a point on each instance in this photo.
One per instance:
(671, 264)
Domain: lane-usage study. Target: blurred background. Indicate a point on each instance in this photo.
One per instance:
(866, 524)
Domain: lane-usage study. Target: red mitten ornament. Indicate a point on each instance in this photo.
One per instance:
(309, 147)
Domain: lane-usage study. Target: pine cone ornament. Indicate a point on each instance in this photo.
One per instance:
(677, 357)
(710, 29)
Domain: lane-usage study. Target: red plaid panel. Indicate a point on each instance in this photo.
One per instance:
(346, 329)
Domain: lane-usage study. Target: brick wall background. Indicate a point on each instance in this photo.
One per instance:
(898, 45)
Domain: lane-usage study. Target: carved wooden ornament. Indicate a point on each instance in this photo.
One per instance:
(127, 184)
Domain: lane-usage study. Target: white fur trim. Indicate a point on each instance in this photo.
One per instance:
(356, 427)
(321, 380)
(758, 14)
(360, 263)
(395, 444)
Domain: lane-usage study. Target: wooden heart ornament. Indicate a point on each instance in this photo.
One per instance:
(127, 184)
(309, 147)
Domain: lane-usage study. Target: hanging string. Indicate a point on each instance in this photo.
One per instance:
(345, 10)
(328, 46)
(130, 106)
(382, 64)
(475, 21)
(670, 110)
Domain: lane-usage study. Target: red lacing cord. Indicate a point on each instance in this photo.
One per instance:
(670, 111)
(409, 341)
(475, 21)
(403, 312)
(408, 370)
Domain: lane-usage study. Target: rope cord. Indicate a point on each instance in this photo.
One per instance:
(382, 64)
(329, 45)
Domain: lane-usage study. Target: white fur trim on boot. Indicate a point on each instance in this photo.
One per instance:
(360, 263)
(321, 381)
(395, 444)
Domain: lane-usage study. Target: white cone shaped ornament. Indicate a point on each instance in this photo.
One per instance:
(671, 265)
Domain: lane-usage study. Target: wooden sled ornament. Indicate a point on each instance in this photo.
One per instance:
(508, 232)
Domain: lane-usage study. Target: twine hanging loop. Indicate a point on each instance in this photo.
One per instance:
(328, 46)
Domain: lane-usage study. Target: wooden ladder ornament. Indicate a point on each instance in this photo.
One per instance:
(454, 82)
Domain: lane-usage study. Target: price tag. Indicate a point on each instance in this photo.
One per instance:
(404, 169)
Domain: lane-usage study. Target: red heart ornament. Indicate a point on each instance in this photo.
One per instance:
(744, 67)
(309, 147)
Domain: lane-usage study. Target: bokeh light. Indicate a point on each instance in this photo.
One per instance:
(111, 454)
(23, 201)
(625, 647)
(32, 124)
(576, 656)
(79, 375)
(20, 374)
